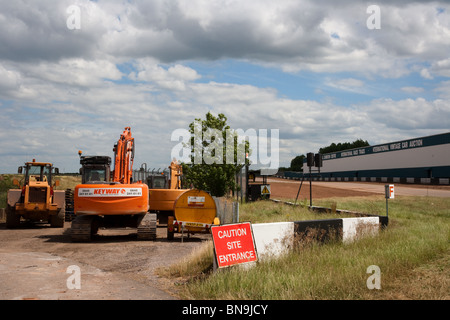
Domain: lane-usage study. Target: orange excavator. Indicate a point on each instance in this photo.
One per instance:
(109, 199)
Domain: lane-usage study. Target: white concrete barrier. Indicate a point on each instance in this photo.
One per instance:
(273, 239)
(355, 228)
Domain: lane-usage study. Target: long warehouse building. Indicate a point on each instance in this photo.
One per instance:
(418, 160)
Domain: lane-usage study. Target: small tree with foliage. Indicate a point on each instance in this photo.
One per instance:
(297, 163)
(213, 145)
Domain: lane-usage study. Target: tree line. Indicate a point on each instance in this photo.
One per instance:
(297, 162)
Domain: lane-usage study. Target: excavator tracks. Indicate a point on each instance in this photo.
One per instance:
(81, 230)
(83, 227)
(146, 229)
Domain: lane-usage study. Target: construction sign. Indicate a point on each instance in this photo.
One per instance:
(234, 244)
(196, 201)
(265, 189)
(389, 191)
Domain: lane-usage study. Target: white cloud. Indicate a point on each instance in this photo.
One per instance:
(410, 114)
(293, 35)
(126, 66)
(173, 78)
(76, 72)
(425, 73)
(347, 84)
(441, 67)
(183, 73)
(412, 89)
(96, 116)
(9, 79)
(443, 90)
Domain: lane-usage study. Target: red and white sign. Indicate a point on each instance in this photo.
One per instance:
(196, 201)
(389, 190)
(234, 244)
(109, 192)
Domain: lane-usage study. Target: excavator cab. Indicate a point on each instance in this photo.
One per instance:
(95, 169)
(158, 181)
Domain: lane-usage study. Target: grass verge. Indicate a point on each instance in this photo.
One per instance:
(412, 253)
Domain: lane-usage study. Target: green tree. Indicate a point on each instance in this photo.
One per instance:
(216, 155)
(297, 163)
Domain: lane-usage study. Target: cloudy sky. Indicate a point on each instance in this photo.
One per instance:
(317, 71)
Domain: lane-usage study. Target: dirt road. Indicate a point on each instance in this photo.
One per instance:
(35, 261)
(287, 189)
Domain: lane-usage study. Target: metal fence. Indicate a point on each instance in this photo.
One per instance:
(143, 173)
(227, 210)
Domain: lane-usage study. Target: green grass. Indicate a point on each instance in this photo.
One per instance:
(268, 211)
(67, 182)
(6, 183)
(412, 253)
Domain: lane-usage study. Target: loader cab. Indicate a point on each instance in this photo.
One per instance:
(38, 172)
(95, 169)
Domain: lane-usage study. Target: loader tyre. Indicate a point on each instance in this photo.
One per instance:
(12, 219)
(57, 220)
(170, 228)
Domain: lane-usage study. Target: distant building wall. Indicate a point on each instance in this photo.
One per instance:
(418, 160)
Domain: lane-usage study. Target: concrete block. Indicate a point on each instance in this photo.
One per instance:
(273, 239)
(318, 230)
(355, 228)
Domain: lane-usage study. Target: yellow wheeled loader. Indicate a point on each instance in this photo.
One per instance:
(36, 200)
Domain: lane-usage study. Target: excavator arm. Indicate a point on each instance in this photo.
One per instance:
(176, 171)
(123, 157)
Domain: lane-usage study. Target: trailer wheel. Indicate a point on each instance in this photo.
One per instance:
(170, 228)
(170, 234)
